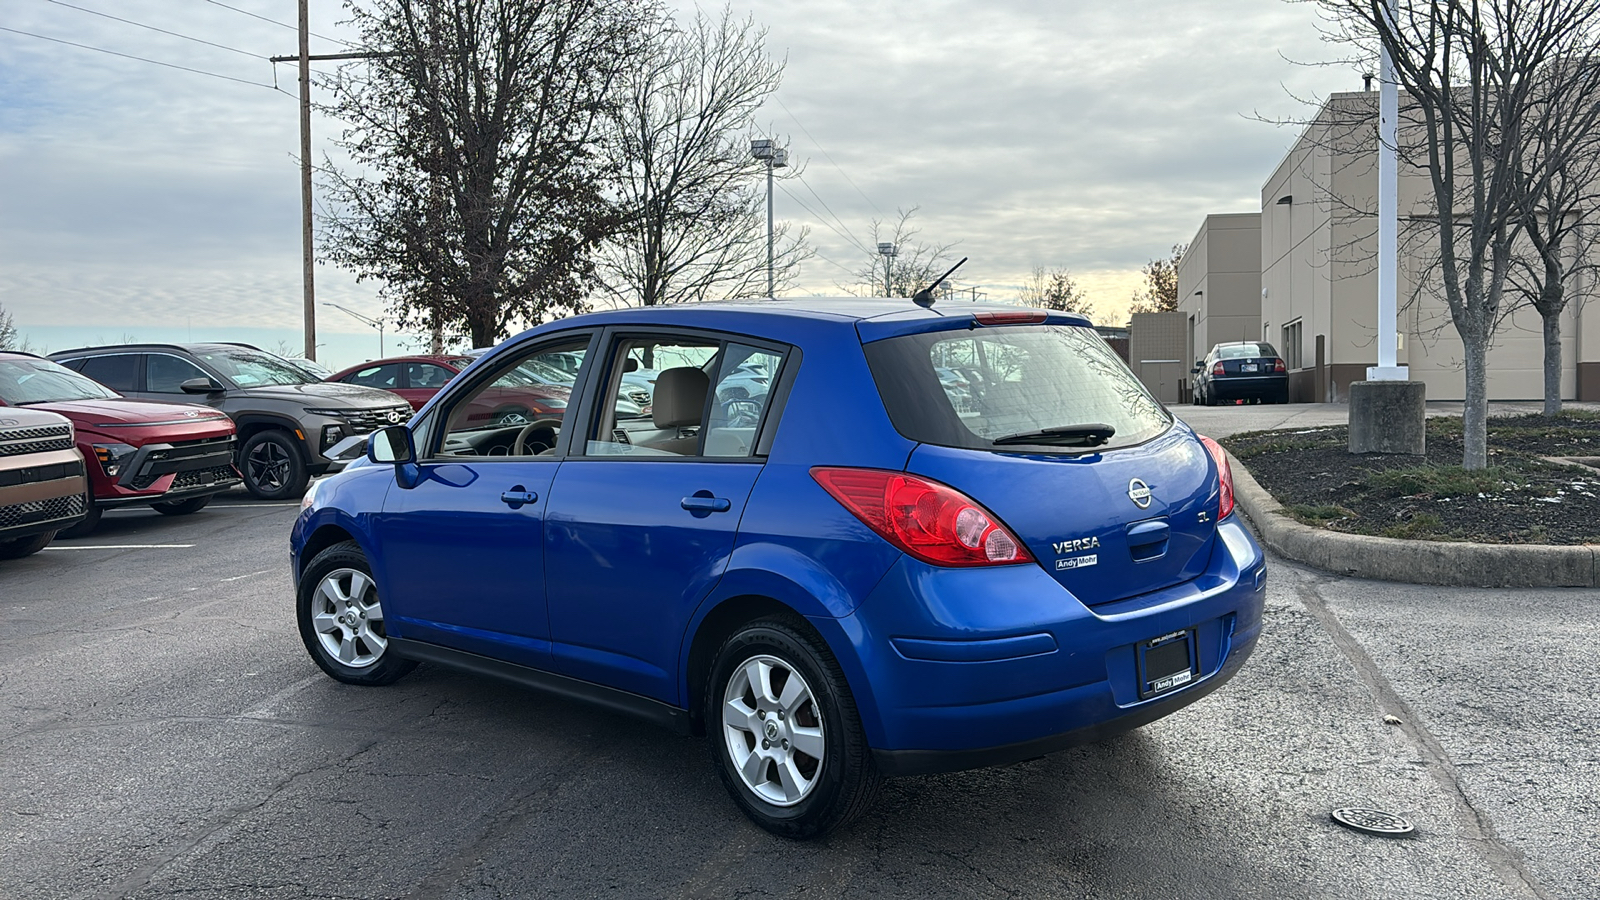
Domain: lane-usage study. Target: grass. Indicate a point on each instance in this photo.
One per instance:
(1419, 525)
(1440, 481)
(1314, 514)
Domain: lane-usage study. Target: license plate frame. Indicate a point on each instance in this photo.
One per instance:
(1249, 367)
(1166, 663)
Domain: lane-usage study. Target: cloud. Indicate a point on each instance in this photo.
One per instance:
(1029, 132)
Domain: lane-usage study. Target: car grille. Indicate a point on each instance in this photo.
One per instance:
(17, 441)
(201, 477)
(638, 396)
(365, 420)
(41, 511)
(36, 474)
(183, 456)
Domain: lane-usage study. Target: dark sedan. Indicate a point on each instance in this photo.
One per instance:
(1242, 370)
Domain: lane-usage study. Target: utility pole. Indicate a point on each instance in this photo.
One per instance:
(308, 287)
(888, 251)
(307, 246)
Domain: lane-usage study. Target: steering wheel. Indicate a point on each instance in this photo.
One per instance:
(519, 447)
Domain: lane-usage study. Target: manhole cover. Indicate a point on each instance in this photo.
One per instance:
(1372, 821)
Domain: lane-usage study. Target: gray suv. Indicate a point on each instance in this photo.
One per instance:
(287, 419)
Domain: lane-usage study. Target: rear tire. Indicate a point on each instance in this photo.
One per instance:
(341, 621)
(17, 548)
(785, 735)
(181, 507)
(86, 525)
(272, 467)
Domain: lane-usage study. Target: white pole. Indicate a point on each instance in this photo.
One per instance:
(1388, 214)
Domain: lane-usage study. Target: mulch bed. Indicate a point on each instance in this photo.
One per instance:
(1520, 499)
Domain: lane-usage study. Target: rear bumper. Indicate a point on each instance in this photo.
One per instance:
(1008, 665)
(1241, 388)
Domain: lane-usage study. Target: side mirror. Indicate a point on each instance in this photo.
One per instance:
(199, 386)
(1197, 368)
(391, 444)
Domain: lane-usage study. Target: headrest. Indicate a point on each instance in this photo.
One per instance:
(680, 397)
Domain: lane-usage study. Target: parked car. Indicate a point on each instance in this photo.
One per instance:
(41, 480)
(517, 399)
(858, 582)
(1241, 370)
(557, 372)
(287, 420)
(171, 457)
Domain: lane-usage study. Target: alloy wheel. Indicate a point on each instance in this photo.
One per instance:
(269, 465)
(348, 619)
(773, 729)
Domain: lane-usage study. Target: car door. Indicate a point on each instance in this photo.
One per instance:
(164, 375)
(641, 524)
(463, 553)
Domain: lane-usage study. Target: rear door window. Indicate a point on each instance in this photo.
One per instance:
(119, 372)
(1001, 388)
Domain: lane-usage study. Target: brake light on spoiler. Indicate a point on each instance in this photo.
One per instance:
(1010, 318)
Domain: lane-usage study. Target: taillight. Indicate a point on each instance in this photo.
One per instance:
(1277, 366)
(1224, 473)
(1217, 368)
(933, 522)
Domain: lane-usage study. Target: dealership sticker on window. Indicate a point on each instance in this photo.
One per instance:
(1077, 562)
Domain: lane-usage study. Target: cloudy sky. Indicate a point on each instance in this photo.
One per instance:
(143, 201)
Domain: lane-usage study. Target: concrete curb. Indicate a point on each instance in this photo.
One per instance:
(1415, 562)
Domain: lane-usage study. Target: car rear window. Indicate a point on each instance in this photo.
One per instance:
(1245, 351)
(969, 388)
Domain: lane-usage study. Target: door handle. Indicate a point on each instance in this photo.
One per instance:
(518, 496)
(698, 503)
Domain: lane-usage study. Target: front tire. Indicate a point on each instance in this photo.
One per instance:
(272, 467)
(17, 548)
(785, 735)
(341, 620)
(181, 507)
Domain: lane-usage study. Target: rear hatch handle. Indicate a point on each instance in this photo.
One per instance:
(1148, 540)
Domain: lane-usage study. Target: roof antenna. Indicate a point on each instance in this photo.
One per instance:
(924, 297)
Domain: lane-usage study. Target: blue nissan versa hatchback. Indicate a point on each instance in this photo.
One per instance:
(854, 570)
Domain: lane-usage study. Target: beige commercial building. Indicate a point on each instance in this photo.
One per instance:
(1219, 283)
(1156, 344)
(1318, 279)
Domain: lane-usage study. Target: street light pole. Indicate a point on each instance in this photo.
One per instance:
(776, 158)
(888, 251)
(308, 252)
(1388, 368)
(375, 323)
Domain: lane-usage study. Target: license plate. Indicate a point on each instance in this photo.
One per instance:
(1248, 367)
(1166, 663)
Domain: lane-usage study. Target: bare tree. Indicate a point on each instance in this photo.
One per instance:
(1160, 291)
(914, 265)
(8, 330)
(1055, 289)
(478, 192)
(1473, 70)
(695, 224)
(1560, 189)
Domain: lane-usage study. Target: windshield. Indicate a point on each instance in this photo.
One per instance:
(971, 388)
(1244, 351)
(254, 368)
(24, 381)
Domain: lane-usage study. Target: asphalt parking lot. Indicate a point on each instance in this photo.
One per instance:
(164, 734)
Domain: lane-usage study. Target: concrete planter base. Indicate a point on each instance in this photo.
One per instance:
(1416, 562)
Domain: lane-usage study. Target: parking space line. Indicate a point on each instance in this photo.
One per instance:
(126, 547)
(242, 577)
(250, 505)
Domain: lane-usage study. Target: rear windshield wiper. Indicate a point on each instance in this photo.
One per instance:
(1090, 434)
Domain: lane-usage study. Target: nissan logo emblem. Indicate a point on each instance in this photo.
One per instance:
(1139, 493)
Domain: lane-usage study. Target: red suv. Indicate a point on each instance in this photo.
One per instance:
(517, 397)
(173, 457)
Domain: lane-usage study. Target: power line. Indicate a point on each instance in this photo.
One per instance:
(827, 157)
(835, 215)
(186, 37)
(246, 12)
(825, 223)
(153, 62)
